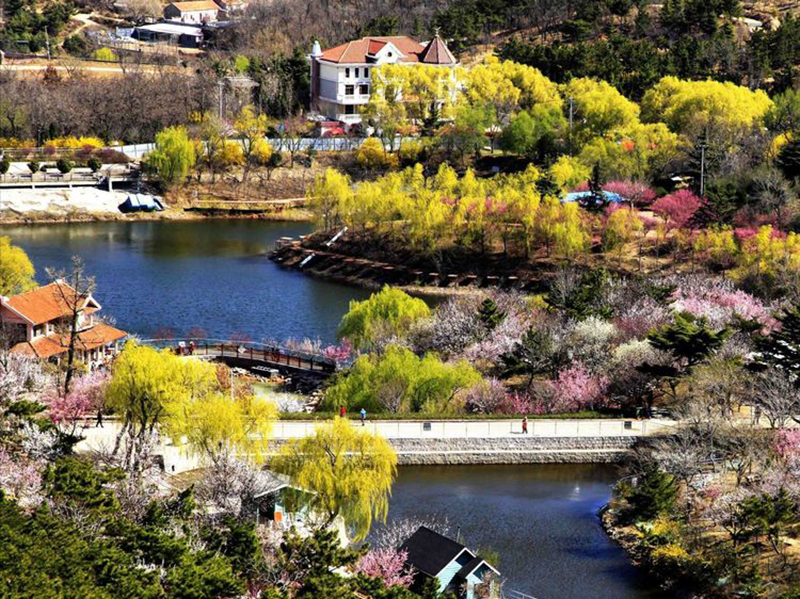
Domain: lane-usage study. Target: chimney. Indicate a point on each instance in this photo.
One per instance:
(316, 50)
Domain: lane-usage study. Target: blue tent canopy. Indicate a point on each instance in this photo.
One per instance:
(141, 202)
(578, 196)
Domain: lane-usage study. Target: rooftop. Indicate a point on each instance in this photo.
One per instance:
(195, 5)
(429, 552)
(364, 50)
(52, 345)
(49, 302)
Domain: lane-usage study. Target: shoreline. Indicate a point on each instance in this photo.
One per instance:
(171, 214)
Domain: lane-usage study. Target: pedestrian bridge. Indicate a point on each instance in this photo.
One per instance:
(257, 357)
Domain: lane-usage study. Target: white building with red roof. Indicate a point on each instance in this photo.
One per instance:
(37, 323)
(341, 76)
(192, 11)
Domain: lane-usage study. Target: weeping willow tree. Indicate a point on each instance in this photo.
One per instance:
(345, 472)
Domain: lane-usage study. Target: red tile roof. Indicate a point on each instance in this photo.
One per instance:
(436, 52)
(195, 5)
(360, 51)
(52, 345)
(49, 302)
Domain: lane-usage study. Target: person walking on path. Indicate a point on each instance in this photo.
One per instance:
(525, 425)
(342, 412)
(363, 416)
(99, 422)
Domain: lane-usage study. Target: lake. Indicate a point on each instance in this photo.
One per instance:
(214, 274)
(540, 519)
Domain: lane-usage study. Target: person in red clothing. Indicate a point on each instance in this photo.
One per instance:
(342, 412)
(525, 425)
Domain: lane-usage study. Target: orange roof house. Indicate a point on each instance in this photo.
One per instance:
(38, 323)
(341, 76)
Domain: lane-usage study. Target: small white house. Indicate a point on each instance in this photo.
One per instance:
(192, 11)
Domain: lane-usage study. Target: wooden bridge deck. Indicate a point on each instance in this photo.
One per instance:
(255, 356)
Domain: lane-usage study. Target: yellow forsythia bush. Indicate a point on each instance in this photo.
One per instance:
(371, 155)
(74, 143)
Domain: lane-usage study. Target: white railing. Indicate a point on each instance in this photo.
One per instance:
(481, 429)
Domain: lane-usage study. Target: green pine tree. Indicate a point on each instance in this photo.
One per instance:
(490, 315)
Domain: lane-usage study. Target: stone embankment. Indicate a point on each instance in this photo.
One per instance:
(499, 450)
(345, 268)
(520, 450)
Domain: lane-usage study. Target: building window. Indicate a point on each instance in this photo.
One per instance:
(363, 89)
(356, 72)
(347, 73)
(349, 90)
(349, 109)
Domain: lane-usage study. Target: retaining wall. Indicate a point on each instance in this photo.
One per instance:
(517, 450)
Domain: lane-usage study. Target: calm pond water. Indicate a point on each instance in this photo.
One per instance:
(212, 274)
(540, 519)
(215, 275)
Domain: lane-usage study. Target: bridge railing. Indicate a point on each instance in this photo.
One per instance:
(248, 350)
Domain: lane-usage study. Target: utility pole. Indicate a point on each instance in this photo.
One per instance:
(703, 147)
(221, 92)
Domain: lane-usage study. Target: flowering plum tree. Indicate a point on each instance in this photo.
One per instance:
(387, 564)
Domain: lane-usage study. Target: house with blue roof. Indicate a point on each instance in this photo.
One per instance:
(458, 570)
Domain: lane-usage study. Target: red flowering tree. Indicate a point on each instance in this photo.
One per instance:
(677, 208)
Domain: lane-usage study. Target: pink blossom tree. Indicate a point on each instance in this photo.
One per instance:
(578, 389)
(486, 397)
(638, 194)
(677, 208)
(87, 395)
(340, 352)
(786, 444)
(387, 564)
(721, 304)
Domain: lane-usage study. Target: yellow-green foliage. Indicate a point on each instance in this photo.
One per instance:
(419, 86)
(105, 54)
(717, 245)
(173, 156)
(390, 312)
(688, 106)
(767, 254)
(329, 196)
(410, 152)
(230, 155)
(637, 152)
(16, 269)
(400, 381)
(13, 142)
(73, 142)
(371, 155)
(622, 227)
(216, 425)
(262, 152)
(347, 474)
(599, 108)
(508, 86)
(150, 387)
(568, 172)
(469, 211)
